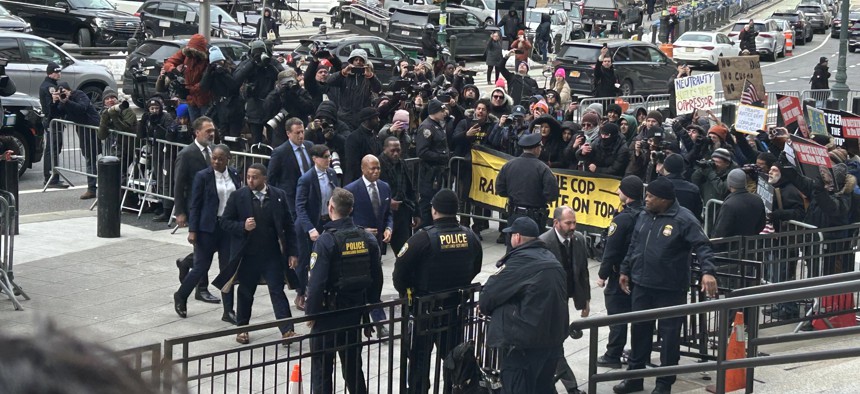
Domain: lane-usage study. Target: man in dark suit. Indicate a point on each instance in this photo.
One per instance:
(262, 244)
(291, 160)
(569, 248)
(373, 212)
(209, 193)
(312, 194)
(195, 157)
(404, 201)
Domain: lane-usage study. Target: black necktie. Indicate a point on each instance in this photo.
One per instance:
(206, 156)
(374, 198)
(566, 250)
(305, 164)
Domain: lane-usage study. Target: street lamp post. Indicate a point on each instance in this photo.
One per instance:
(205, 25)
(840, 88)
(443, 21)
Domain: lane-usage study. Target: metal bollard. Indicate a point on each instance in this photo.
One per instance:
(9, 183)
(452, 47)
(831, 103)
(855, 105)
(664, 29)
(653, 34)
(108, 223)
(727, 113)
(131, 44)
(557, 44)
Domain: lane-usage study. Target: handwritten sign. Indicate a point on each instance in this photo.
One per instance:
(734, 70)
(695, 92)
(750, 119)
(817, 121)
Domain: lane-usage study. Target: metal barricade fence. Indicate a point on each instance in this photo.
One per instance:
(72, 149)
(819, 95)
(712, 208)
(7, 242)
(145, 360)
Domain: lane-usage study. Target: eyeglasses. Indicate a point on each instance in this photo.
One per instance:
(498, 97)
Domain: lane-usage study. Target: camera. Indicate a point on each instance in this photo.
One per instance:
(277, 119)
(705, 163)
(518, 51)
(288, 84)
(335, 163)
(509, 121)
(63, 96)
(357, 70)
(658, 156)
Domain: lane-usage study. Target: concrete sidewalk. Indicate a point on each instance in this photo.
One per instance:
(118, 292)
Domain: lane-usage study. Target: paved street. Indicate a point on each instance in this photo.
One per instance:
(118, 291)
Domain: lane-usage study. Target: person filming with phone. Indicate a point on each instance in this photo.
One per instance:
(356, 82)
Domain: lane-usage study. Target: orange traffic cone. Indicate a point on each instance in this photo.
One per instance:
(295, 386)
(736, 379)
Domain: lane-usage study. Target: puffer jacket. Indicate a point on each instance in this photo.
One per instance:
(258, 80)
(195, 58)
(530, 286)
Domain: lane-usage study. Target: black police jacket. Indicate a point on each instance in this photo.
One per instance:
(527, 182)
(527, 299)
(430, 265)
(431, 145)
(618, 236)
(320, 280)
(661, 249)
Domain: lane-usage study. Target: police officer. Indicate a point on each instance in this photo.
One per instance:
(440, 257)
(617, 242)
(345, 272)
(528, 195)
(658, 264)
(431, 145)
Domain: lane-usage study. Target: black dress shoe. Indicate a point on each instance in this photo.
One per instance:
(179, 306)
(163, 218)
(229, 317)
(608, 362)
(661, 389)
(628, 386)
(183, 270)
(205, 296)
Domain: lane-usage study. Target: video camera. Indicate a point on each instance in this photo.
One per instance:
(407, 89)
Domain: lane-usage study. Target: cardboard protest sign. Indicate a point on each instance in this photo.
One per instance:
(850, 125)
(750, 119)
(833, 122)
(817, 122)
(765, 191)
(695, 92)
(591, 196)
(734, 70)
(809, 153)
(789, 111)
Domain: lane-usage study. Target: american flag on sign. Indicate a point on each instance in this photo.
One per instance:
(750, 95)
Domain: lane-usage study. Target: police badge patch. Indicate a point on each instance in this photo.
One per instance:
(427, 133)
(403, 249)
(667, 230)
(612, 227)
(313, 259)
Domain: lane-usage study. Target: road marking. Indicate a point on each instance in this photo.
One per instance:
(793, 79)
(783, 72)
(770, 83)
(31, 191)
(813, 50)
(780, 81)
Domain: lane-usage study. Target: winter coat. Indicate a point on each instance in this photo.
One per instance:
(604, 82)
(258, 80)
(519, 86)
(712, 183)
(553, 146)
(195, 58)
(742, 213)
(544, 30)
(820, 77)
(610, 156)
(429, 43)
(228, 104)
(78, 109)
(747, 40)
(493, 53)
(115, 118)
(356, 92)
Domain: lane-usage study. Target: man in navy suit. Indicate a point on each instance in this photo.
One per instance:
(372, 210)
(211, 189)
(291, 160)
(195, 157)
(312, 194)
(263, 242)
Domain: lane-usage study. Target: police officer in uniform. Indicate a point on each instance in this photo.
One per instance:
(345, 272)
(617, 242)
(656, 274)
(431, 145)
(440, 257)
(528, 183)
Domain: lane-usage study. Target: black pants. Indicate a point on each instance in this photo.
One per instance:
(445, 332)
(271, 268)
(53, 146)
(347, 343)
(257, 130)
(402, 228)
(642, 334)
(490, 68)
(565, 375)
(615, 304)
(528, 371)
(207, 245)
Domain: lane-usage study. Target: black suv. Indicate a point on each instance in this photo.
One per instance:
(153, 53)
(639, 66)
(23, 123)
(87, 23)
(407, 25)
(171, 18)
(797, 19)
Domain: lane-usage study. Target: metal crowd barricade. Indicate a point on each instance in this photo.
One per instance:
(712, 208)
(7, 242)
(68, 153)
(145, 360)
(773, 106)
(819, 95)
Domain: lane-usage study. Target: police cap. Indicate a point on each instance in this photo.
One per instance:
(524, 226)
(529, 140)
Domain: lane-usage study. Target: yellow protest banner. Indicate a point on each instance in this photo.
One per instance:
(591, 196)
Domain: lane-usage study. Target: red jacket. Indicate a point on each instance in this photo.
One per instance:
(195, 57)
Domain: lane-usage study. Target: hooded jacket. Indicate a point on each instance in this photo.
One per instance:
(609, 155)
(154, 126)
(519, 85)
(820, 77)
(530, 285)
(553, 146)
(356, 92)
(195, 58)
(337, 141)
(632, 126)
(506, 108)
(257, 80)
(604, 82)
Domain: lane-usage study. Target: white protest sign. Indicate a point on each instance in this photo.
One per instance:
(695, 92)
(750, 119)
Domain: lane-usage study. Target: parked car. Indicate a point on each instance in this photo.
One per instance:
(23, 123)
(87, 23)
(383, 54)
(29, 55)
(609, 13)
(770, 42)
(560, 25)
(155, 51)
(819, 16)
(787, 32)
(640, 66)
(484, 9)
(703, 48)
(321, 6)
(13, 23)
(406, 26)
(573, 15)
(853, 17)
(172, 18)
(854, 37)
(803, 31)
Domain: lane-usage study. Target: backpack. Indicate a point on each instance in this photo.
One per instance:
(465, 376)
